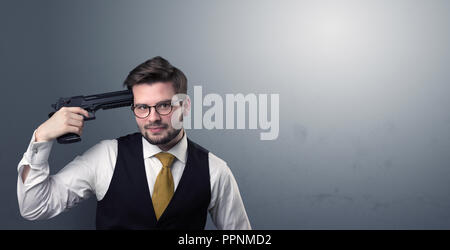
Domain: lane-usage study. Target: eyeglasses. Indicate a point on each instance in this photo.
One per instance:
(143, 110)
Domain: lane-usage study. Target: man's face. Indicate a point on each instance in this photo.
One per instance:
(156, 128)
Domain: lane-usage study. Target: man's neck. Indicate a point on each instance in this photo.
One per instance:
(173, 142)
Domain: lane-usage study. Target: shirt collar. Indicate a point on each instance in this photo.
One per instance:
(179, 150)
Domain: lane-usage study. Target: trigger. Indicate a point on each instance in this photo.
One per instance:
(91, 116)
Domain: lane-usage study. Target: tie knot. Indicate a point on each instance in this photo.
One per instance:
(165, 158)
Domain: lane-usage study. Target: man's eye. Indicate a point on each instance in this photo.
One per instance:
(142, 107)
(164, 105)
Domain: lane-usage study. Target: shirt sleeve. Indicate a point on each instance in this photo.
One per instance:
(226, 208)
(43, 196)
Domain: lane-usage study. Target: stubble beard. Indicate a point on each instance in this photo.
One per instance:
(171, 134)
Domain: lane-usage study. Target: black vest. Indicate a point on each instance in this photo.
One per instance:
(127, 203)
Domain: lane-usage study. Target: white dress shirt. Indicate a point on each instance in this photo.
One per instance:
(44, 196)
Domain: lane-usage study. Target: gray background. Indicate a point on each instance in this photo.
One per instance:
(364, 124)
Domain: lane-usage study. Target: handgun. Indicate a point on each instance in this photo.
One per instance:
(92, 103)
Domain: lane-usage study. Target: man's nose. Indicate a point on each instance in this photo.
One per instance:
(153, 116)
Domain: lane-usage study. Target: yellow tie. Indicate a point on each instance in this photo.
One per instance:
(164, 187)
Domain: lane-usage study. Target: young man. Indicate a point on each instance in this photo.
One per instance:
(155, 179)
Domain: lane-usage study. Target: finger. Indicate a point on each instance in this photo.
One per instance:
(75, 122)
(76, 130)
(76, 116)
(78, 110)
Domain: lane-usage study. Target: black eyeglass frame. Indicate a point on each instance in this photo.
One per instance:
(150, 109)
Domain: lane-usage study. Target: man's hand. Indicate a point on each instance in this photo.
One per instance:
(65, 120)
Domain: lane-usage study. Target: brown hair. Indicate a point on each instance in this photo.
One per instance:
(154, 70)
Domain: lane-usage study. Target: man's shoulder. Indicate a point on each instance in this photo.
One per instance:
(216, 160)
(196, 146)
(218, 168)
(108, 143)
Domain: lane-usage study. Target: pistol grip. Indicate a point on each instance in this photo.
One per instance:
(68, 138)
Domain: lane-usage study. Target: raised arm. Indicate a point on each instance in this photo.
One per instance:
(41, 195)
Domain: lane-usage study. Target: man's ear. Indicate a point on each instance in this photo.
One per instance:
(186, 106)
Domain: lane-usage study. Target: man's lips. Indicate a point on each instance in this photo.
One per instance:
(155, 129)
